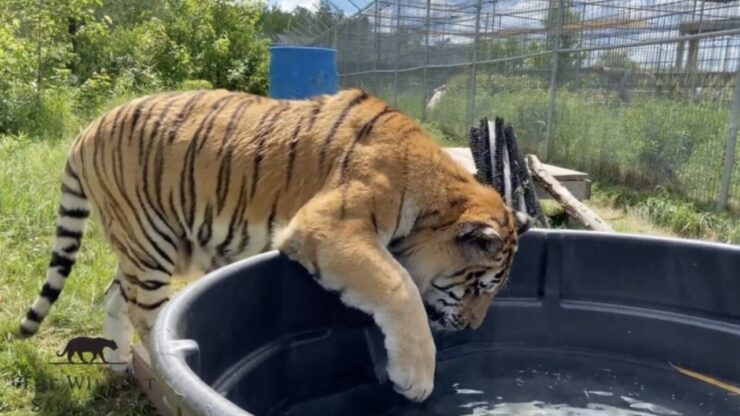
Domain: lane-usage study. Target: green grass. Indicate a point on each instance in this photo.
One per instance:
(29, 179)
(671, 212)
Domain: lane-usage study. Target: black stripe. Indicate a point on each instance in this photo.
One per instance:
(396, 241)
(262, 136)
(437, 227)
(216, 108)
(123, 293)
(188, 169)
(72, 248)
(459, 272)
(374, 220)
(406, 132)
(233, 120)
(146, 204)
(224, 171)
(343, 207)
(152, 264)
(315, 111)
(447, 286)
(292, 152)
(115, 242)
(368, 127)
(150, 306)
(120, 182)
(134, 120)
(363, 133)
(115, 210)
(446, 290)
(204, 231)
(245, 237)
(423, 215)
(404, 179)
(69, 171)
(238, 212)
(32, 315)
(170, 100)
(50, 293)
(183, 115)
(63, 263)
(400, 211)
(317, 272)
(446, 302)
(159, 159)
(137, 114)
(330, 135)
(158, 207)
(65, 232)
(25, 332)
(173, 209)
(271, 218)
(73, 213)
(145, 284)
(457, 201)
(402, 251)
(67, 190)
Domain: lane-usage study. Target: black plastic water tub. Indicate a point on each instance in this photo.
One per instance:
(590, 324)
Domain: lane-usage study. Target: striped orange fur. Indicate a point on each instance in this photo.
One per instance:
(186, 182)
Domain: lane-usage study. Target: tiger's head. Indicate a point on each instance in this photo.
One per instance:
(460, 258)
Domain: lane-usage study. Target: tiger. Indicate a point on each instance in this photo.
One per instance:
(183, 183)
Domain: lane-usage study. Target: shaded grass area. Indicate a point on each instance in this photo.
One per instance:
(29, 384)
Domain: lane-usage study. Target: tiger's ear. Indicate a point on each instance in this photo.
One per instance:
(479, 235)
(522, 222)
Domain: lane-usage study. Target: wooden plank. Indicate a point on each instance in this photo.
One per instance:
(575, 208)
(147, 380)
(577, 183)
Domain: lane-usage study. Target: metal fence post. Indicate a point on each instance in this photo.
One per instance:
(398, 53)
(426, 61)
(472, 82)
(724, 186)
(553, 79)
(376, 48)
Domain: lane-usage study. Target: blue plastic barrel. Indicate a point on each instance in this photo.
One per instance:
(301, 72)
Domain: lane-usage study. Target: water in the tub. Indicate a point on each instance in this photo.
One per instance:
(517, 383)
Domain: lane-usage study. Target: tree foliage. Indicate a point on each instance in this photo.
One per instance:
(85, 51)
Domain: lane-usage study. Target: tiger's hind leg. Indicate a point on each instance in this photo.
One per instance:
(150, 291)
(117, 326)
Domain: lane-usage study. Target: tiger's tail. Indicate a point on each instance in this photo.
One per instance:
(74, 208)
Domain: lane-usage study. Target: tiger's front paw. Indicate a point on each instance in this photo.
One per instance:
(411, 364)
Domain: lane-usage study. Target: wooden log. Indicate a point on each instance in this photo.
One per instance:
(572, 206)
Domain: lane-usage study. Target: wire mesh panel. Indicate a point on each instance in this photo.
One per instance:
(640, 92)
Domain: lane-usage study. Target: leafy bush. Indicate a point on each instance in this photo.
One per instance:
(63, 60)
(196, 84)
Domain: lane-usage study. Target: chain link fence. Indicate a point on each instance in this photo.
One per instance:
(639, 92)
